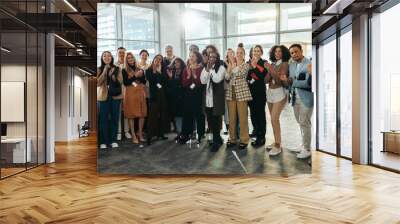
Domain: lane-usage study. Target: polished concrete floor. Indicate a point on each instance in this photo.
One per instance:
(167, 157)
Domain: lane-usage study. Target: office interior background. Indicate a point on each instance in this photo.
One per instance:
(52, 59)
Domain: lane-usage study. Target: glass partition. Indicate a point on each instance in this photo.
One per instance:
(13, 103)
(22, 76)
(385, 89)
(327, 96)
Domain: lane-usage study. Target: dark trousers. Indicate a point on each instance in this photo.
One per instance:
(193, 113)
(257, 114)
(252, 119)
(158, 116)
(214, 121)
(190, 119)
(109, 112)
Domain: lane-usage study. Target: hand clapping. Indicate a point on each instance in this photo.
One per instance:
(254, 61)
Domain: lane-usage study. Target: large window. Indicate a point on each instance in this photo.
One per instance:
(203, 24)
(335, 108)
(295, 16)
(327, 96)
(131, 26)
(227, 24)
(295, 25)
(385, 88)
(203, 20)
(244, 18)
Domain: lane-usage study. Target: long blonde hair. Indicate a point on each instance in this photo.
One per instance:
(127, 67)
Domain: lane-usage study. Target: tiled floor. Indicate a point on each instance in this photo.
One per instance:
(167, 157)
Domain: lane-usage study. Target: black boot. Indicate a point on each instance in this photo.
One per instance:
(215, 147)
(258, 142)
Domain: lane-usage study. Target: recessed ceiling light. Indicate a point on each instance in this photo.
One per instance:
(70, 5)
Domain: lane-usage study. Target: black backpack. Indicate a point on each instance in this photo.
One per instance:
(114, 88)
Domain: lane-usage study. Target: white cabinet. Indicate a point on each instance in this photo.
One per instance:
(17, 145)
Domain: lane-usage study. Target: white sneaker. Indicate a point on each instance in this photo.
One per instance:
(119, 136)
(270, 146)
(128, 135)
(275, 151)
(114, 145)
(304, 154)
(103, 146)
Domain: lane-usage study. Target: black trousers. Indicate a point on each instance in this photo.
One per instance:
(257, 115)
(215, 122)
(158, 116)
(189, 121)
(193, 113)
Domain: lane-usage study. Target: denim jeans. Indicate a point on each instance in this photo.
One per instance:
(109, 112)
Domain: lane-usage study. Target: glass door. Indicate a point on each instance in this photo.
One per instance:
(326, 88)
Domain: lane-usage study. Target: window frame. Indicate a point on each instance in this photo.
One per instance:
(225, 35)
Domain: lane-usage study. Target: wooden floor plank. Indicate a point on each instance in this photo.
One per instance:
(71, 191)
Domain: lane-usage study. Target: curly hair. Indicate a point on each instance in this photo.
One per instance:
(284, 50)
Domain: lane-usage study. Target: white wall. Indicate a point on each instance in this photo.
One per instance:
(69, 81)
(171, 28)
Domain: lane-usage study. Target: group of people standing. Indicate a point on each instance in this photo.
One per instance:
(189, 96)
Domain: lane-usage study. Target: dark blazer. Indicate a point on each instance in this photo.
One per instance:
(174, 91)
(258, 88)
(155, 79)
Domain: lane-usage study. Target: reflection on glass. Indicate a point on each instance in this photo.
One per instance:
(385, 85)
(13, 82)
(327, 96)
(346, 94)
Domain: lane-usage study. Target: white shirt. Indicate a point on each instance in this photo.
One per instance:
(207, 78)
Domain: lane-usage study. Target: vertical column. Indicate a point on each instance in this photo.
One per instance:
(50, 92)
(360, 90)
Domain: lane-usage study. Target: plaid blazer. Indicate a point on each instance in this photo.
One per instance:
(238, 80)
